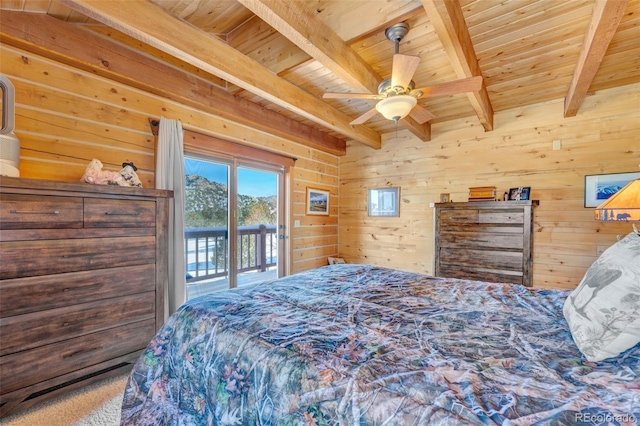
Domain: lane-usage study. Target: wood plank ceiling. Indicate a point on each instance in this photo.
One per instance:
(268, 62)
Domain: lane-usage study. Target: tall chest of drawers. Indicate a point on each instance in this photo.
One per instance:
(83, 273)
(487, 241)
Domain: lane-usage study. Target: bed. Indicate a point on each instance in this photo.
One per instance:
(364, 345)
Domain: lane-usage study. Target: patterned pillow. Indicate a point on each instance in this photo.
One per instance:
(603, 312)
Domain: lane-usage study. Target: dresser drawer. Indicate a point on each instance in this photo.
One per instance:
(488, 275)
(32, 258)
(481, 260)
(32, 294)
(472, 240)
(33, 211)
(32, 366)
(107, 213)
(460, 217)
(28, 331)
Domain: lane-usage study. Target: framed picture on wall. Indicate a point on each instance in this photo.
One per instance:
(384, 202)
(317, 202)
(598, 188)
(518, 194)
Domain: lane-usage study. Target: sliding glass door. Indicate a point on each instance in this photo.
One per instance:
(231, 207)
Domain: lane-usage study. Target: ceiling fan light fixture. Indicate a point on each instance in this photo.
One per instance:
(396, 107)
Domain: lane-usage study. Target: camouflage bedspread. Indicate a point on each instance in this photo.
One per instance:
(363, 345)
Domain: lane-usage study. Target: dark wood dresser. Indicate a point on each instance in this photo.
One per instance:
(487, 241)
(83, 273)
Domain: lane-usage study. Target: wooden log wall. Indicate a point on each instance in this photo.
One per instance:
(604, 137)
(65, 117)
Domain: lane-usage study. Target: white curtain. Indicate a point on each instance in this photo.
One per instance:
(170, 175)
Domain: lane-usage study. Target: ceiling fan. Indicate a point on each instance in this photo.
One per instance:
(397, 95)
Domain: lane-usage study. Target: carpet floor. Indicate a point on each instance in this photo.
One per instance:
(95, 405)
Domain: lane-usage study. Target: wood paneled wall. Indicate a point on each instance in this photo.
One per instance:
(603, 138)
(65, 117)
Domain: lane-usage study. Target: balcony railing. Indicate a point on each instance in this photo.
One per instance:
(206, 250)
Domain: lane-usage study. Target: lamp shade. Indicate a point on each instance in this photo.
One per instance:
(623, 206)
(396, 107)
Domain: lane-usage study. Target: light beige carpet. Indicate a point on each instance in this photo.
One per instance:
(95, 405)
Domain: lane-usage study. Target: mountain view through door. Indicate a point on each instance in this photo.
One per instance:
(229, 208)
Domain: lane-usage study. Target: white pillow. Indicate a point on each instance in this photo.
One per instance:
(603, 312)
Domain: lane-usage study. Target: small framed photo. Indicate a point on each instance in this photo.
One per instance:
(317, 202)
(384, 202)
(518, 194)
(598, 188)
(445, 198)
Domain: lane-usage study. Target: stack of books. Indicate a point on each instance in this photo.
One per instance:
(482, 193)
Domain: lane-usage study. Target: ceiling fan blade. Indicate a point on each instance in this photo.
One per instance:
(350, 96)
(364, 117)
(404, 66)
(420, 114)
(471, 84)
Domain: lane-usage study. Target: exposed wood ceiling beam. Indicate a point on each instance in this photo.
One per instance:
(115, 35)
(269, 49)
(605, 19)
(349, 23)
(295, 21)
(422, 131)
(83, 49)
(448, 22)
(149, 23)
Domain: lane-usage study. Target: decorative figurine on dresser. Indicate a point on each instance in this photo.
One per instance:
(82, 283)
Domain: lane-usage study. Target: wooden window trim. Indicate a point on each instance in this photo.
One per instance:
(199, 143)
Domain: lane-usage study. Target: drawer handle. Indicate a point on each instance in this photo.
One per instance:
(71, 256)
(122, 213)
(84, 287)
(80, 352)
(32, 212)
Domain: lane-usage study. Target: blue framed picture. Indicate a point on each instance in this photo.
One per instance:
(598, 188)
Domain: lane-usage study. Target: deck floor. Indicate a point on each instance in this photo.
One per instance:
(201, 288)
